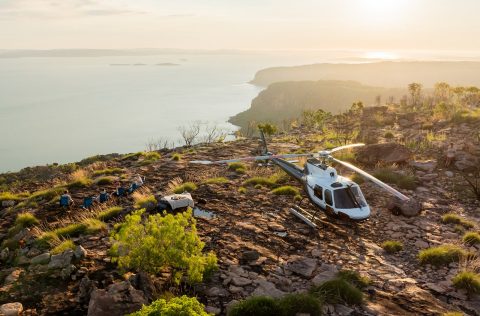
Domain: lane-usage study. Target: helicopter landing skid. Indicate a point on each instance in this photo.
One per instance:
(305, 216)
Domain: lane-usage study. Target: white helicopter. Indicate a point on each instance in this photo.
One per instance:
(336, 195)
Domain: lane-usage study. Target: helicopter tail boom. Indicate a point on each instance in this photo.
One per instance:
(290, 168)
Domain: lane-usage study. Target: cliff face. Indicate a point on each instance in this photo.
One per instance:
(385, 74)
(286, 100)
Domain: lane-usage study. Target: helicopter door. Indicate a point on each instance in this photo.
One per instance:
(329, 201)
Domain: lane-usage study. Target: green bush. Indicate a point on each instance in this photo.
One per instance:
(471, 238)
(219, 180)
(238, 167)
(184, 305)
(256, 306)
(293, 304)
(286, 190)
(354, 278)
(392, 246)
(338, 290)
(469, 281)
(105, 180)
(160, 242)
(259, 181)
(441, 255)
(452, 218)
(65, 245)
(109, 171)
(407, 182)
(185, 187)
(26, 219)
(109, 213)
(176, 157)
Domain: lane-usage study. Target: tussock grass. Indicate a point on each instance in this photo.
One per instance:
(105, 180)
(93, 225)
(79, 179)
(177, 157)
(256, 305)
(242, 190)
(26, 219)
(259, 181)
(392, 246)
(467, 280)
(300, 303)
(64, 245)
(286, 190)
(143, 199)
(109, 213)
(404, 181)
(47, 239)
(358, 179)
(441, 255)
(185, 187)
(218, 180)
(354, 278)
(452, 218)
(238, 167)
(133, 156)
(107, 172)
(471, 238)
(9, 196)
(453, 314)
(87, 226)
(338, 291)
(47, 194)
(152, 156)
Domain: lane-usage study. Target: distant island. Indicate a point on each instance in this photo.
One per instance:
(167, 64)
(286, 100)
(385, 74)
(141, 64)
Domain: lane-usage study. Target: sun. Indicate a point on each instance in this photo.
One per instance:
(381, 10)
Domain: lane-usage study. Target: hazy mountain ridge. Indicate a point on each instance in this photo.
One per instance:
(385, 74)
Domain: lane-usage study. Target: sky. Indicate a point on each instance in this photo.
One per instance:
(377, 25)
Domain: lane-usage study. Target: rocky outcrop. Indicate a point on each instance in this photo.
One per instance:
(11, 309)
(119, 299)
(384, 153)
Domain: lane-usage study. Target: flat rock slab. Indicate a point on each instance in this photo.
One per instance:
(301, 265)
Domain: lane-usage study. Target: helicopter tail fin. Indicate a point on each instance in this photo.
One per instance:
(264, 141)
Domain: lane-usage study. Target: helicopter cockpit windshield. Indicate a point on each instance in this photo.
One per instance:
(350, 197)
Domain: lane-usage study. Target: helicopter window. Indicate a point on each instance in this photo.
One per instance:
(328, 197)
(343, 199)
(318, 191)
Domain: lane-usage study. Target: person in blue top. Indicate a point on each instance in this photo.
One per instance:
(66, 199)
(103, 197)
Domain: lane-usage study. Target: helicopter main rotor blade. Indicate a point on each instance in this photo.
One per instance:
(253, 158)
(373, 179)
(346, 147)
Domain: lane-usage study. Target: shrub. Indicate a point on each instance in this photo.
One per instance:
(65, 245)
(471, 238)
(268, 128)
(176, 157)
(286, 190)
(105, 180)
(354, 278)
(469, 281)
(183, 305)
(219, 180)
(152, 156)
(242, 190)
(452, 218)
(107, 172)
(185, 187)
(392, 246)
(26, 220)
(109, 213)
(389, 135)
(441, 255)
(160, 242)
(256, 306)
(8, 196)
(293, 304)
(407, 182)
(238, 167)
(338, 290)
(259, 181)
(143, 200)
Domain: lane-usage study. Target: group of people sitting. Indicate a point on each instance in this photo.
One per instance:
(66, 199)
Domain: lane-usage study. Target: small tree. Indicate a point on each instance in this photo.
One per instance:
(473, 182)
(160, 242)
(415, 90)
(268, 128)
(190, 133)
(182, 305)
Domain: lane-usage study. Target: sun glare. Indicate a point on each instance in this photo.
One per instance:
(381, 10)
(381, 55)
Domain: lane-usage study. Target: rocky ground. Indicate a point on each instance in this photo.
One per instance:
(262, 248)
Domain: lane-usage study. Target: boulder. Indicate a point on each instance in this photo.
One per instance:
(119, 299)
(301, 265)
(250, 255)
(80, 252)
(408, 208)
(11, 309)
(386, 153)
(266, 288)
(44, 258)
(62, 260)
(13, 276)
(428, 165)
(143, 282)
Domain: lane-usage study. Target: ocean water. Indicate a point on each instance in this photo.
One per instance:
(65, 109)
(68, 108)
